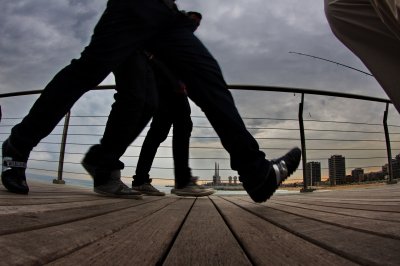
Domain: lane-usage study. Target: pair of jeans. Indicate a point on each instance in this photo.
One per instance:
(128, 26)
(174, 110)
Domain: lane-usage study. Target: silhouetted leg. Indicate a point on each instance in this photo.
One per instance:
(158, 132)
(182, 128)
(188, 57)
(135, 104)
(123, 28)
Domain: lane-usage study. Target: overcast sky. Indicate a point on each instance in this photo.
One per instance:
(251, 39)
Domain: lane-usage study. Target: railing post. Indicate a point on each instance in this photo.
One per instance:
(303, 145)
(59, 179)
(388, 148)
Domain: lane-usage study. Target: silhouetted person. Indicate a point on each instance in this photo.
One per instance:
(173, 110)
(159, 27)
(371, 29)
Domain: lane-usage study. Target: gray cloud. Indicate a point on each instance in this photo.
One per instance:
(40, 37)
(251, 39)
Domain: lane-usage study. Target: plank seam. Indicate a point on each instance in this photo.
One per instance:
(38, 227)
(24, 203)
(233, 233)
(335, 224)
(340, 203)
(168, 249)
(343, 214)
(113, 231)
(309, 239)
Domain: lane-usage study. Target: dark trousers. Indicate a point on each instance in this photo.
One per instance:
(127, 26)
(124, 27)
(191, 61)
(174, 109)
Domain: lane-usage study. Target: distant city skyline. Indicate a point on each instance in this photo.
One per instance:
(339, 175)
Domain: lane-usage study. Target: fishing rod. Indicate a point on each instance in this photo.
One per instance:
(330, 61)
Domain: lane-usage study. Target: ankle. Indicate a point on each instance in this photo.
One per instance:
(139, 180)
(98, 157)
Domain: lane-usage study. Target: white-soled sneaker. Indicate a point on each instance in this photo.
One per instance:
(193, 190)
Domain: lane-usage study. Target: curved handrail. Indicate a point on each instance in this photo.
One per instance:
(301, 91)
(243, 87)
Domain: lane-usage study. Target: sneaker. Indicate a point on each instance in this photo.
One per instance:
(116, 188)
(193, 190)
(13, 170)
(279, 171)
(148, 189)
(108, 182)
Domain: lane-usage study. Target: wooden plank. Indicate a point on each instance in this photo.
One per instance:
(44, 188)
(26, 201)
(336, 196)
(35, 208)
(360, 247)
(367, 206)
(371, 206)
(368, 214)
(390, 193)
(19, 222)
(342, 198)
(205, 239)
(267, 244)
(47, 244)
(141, 243)
(375, 226)
(46, 193)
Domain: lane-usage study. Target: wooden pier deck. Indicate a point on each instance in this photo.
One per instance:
(62, 225)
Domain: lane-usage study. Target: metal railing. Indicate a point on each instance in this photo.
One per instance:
(260, 133)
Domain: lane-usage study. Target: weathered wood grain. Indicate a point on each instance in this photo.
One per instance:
(268, 244)
(205, 239)
(144, 242)
(63, 225)
(360, 247)
(383, 226)
(49, 243)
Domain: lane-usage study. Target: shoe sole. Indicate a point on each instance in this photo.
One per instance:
(148, 193)
(151, 193)
(188, 194)
(124, 196)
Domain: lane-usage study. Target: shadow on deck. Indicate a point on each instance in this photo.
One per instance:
(62, 225)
